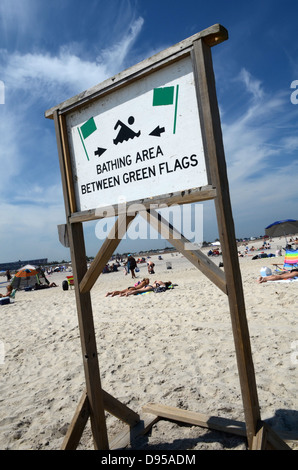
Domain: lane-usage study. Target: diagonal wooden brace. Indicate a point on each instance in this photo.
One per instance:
(105, 252)
(79, 421)
(195, 256)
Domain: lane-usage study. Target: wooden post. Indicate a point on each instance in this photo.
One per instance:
(210, 123)
(84, 308)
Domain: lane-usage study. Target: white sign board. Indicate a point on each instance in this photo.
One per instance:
(140, 141)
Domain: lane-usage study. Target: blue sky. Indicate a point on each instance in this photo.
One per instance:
(50, 51)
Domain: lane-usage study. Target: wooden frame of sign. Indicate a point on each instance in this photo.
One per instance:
(95, 401)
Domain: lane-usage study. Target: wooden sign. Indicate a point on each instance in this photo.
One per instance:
(152, 133)
(139, 141)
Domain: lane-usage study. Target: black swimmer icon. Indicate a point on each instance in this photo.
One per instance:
(125, 133)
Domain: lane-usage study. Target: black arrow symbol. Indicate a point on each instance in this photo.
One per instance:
(157, 131)
(99, 151)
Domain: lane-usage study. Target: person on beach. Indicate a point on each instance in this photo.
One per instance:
(44, 286)
(277, 277)
(131, 266)
(149, 287)
(9, 290)
(42, 274)
(123, 292)
(150, 266)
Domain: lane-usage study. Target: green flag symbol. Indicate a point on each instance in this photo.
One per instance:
(164, 97)
(86, 130)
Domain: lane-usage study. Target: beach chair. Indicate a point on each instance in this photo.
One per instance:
(13, 293)
(70, 281)
(290, 261)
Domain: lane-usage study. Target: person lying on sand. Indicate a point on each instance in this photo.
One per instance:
(278, 277)
(123, 292)
(44, 286)
(149, 287)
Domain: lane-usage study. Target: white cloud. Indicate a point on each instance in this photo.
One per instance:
(256, 137)
(117, 54)
(43, 74)
(252, 85)
(37, 72)
(290, 143)
(35, 81)
(261, 149)
(31, 197)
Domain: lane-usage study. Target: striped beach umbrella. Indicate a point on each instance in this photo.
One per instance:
(27, 276)
(27, 271)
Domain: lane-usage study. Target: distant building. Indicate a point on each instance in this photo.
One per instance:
(15, 265)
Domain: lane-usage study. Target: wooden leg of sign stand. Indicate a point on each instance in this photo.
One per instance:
(104, 401)
(83, 302)
(88, 343)
(94, 401)
(210, 122)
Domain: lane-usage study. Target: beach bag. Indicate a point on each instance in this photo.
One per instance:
(265, 271)
(160, 289)
(65, 285)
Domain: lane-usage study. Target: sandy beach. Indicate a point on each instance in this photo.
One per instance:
(174, 348)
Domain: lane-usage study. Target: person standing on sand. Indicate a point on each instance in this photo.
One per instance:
(131, 264)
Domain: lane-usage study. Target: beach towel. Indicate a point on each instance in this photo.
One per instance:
(293, 279)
